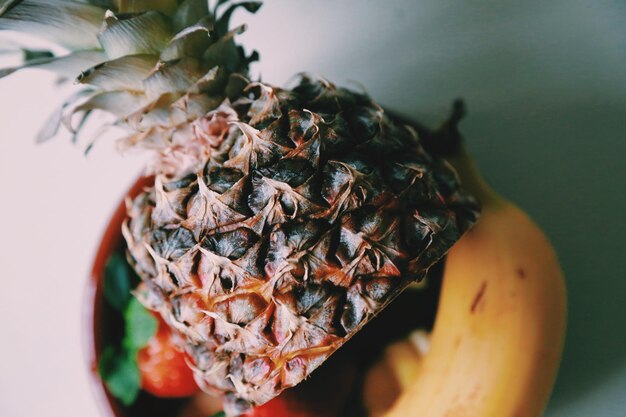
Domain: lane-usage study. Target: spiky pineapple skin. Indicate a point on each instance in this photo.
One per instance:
(313, 210)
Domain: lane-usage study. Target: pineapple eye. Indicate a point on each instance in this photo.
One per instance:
(378, 289)
(222, 179)
(172, 243)
(241, 309)
(354, 312)
(288, 205)
(227, 283)
(292, 171)
(232, 245)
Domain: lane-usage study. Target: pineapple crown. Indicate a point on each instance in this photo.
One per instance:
(155, 65)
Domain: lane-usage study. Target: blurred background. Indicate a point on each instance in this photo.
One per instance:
(545, 83)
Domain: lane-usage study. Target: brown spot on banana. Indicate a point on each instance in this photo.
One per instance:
(478, 297)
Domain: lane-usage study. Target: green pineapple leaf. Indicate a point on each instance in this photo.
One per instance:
(6, 5)
(138, 6)
(222, 24)
(125, 35)
(35, 54)
(140, 326)
(120, 373)
(51, 20)
(236, 85)
(189, 13)
(65, 66)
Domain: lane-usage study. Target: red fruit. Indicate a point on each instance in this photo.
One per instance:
(281, 407)
(164, 370)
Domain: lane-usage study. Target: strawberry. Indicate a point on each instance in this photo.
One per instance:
(164, 369)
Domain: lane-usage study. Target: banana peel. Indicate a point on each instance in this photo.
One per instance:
(397, 370)
(499, 331)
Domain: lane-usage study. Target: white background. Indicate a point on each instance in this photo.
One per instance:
(546, 86)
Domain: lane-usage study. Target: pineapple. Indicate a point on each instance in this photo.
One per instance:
(280, 220)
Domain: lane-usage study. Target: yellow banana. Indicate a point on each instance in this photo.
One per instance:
(395, 372)
(498, 335)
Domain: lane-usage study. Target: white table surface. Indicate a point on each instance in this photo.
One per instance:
(546, 88)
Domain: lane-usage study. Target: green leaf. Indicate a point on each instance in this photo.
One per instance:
(189, 13)
(71, 24)
(172, 77)
(32, 54)
(147, 33)
(125, 73)
(51, 127)
(220, 414)
(120, 373)
(220, 3)
(225, 53)
(236, 84)
(66, 66)
(191, 41)
(137, 6)
(222, 24)
(118, 103)
(140, 325)
(6, 5)
(117, 282)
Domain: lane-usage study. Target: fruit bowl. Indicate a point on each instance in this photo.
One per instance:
(414, 309)
(495, 282)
